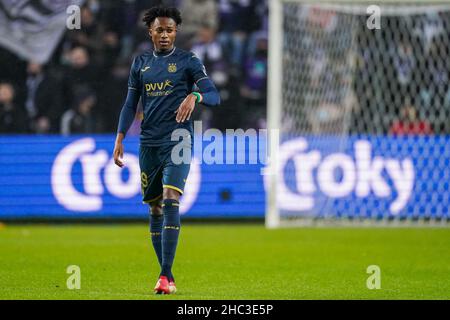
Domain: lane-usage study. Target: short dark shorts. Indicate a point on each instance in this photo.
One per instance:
(159, 171)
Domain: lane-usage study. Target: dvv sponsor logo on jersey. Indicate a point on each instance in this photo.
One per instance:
(99, 175)
(159, 88)
(305, 174)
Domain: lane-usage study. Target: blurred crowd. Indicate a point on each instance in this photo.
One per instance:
(389, 81)
(82, 88)
(403, 76)
(393, 80)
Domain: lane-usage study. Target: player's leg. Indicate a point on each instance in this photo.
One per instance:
(156, 225)
(174, 179)
(151, 187)
(170, 234)
(171, 229)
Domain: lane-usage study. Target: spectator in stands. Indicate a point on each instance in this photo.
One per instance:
(43, 100)
(256, 71)
(437, 67)
(435, 89)
(110, 50)
(110, 97)
(254, 89)
(79, 73)
(80, 119)
(90, 34)
(409, 123)
(404, 62)
(196, 14)
(12, 68)
(258, 26)
(209, 50)
(13, 118)
(236, 22)
(141, 39)
(104, 47)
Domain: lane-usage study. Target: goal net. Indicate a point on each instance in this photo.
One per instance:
(360, 95)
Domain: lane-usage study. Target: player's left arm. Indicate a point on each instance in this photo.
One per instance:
(207, 94)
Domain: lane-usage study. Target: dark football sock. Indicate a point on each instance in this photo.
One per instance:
(170, 232)
(156, 224)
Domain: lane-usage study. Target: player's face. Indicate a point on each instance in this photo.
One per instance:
(163, 32)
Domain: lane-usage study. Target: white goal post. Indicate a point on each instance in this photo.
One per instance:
(360, 99)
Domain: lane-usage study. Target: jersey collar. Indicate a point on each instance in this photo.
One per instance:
(170, 53)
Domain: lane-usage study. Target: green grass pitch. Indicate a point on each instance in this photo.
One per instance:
(225, 261)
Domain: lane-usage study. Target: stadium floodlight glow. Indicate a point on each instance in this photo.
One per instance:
(344, 77)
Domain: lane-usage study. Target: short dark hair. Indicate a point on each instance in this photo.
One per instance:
(166, 12)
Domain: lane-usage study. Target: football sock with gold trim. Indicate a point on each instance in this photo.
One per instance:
(170, 232)
(156, 225)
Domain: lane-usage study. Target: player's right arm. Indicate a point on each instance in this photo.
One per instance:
(128, 112)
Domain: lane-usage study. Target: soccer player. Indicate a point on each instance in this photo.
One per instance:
(164, 80)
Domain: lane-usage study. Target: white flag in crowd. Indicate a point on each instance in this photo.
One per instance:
(32, 28)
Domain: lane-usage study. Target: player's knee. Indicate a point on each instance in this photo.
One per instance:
(171, 194)
(155, 209)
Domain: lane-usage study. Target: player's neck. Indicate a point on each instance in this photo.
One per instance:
(163, 52)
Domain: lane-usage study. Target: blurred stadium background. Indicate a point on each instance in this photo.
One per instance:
(352, 92)
(365, 122)
(74, 99)
(361, 94)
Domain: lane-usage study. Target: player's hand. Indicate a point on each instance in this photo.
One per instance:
(118, 153)
(186, 107)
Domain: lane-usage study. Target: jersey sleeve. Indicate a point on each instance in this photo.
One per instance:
(134, 80)
(128, 111)
(197, 69)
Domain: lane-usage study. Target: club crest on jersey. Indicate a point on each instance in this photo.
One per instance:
(172, 68)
